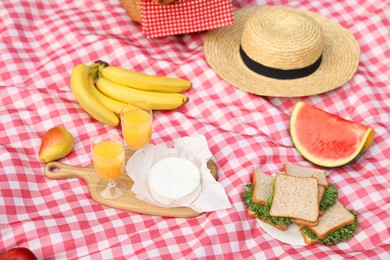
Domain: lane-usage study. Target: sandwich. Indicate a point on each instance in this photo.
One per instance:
(335, 225)
(303, 196)
(258, 198)
(296, 198)
(327, 192)
(301, 171)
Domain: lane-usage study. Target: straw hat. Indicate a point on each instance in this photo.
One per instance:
(282, 52)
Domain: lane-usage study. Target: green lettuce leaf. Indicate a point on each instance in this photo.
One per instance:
(330, 197)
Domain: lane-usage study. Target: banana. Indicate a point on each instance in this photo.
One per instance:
(112, 104)
(155, 100)
(143, 81)
(81, 88)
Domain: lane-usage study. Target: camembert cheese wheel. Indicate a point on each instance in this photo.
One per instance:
(174, 179)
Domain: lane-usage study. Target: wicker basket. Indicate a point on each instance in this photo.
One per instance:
(133, 7)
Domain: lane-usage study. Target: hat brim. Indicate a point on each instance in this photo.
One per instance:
(340, 59)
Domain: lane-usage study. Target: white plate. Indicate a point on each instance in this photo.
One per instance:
(291, 236)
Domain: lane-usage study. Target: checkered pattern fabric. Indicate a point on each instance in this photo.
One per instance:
(41, 41)
(184, 16)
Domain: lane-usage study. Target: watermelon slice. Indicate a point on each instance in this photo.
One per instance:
(326, 139)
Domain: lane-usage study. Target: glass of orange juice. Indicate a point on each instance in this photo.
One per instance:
(108, 156)
(136, 121)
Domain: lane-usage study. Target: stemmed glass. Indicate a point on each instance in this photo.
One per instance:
(108, 156)
(136, 122)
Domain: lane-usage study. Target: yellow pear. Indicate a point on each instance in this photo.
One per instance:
(56, 144)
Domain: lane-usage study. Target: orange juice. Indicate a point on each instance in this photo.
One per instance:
(137, 127)
(108, 159)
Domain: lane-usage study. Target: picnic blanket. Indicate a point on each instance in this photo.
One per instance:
(41, 41)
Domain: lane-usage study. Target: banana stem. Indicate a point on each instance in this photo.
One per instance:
(101, 62)
(100, 70)
(95, 69)
(101, 65)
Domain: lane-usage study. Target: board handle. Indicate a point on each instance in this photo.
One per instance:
(57, 170)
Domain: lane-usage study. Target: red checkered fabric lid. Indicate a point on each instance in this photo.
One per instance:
(184, 16)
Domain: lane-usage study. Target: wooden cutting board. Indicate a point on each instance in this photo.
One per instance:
(57, 170)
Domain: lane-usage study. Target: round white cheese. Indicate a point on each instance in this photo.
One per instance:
(174, 179)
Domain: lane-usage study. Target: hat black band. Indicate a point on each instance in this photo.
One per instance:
(279, 73)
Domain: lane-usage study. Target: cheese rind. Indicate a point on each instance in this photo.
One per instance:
(174, 179)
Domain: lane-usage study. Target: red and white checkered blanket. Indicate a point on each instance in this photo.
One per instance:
(40, 43)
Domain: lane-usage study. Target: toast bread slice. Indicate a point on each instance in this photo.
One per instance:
(305, 223)
(280, 227)
(301, 171)
(321, 190)
(307, 239)
(262, 187)
(334, 218)
(295, 197)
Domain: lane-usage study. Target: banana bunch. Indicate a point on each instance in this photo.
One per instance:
(115, 87)
(81, 83)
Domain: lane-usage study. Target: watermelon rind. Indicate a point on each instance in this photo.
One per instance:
(360, 147)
